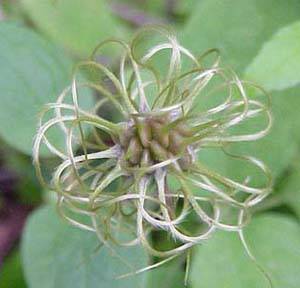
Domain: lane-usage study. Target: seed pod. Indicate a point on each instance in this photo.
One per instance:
(144, 132)
(159, 153)
(162, 119)
(176, 142)
(126, 135)
(134, 151)
(185, 161)
(146, 158)
(159, 134)
(184, 130)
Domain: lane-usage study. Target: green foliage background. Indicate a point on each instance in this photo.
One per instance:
(41, 39)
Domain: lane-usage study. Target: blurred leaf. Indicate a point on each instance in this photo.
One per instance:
(186, 7)
(279, 147)
(58, 255)
(11, 9)
(168, 275)
(150, 7)
(77, 25)
(290, 189)
(237, 27)
(155, 7)
(277, 66)
(28, 188)
(11, 275)
(32, 73)
(274, 240)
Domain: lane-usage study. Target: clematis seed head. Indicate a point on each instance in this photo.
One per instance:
(155, 137)
(143, 168)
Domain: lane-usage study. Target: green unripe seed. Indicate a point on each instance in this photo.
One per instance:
(155, 139)
(144, 131)
(177, 143)
(134, 151)
(158, 151)
(159, 134)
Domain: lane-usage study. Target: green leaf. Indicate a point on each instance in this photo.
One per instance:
(58, 255)
(77, 25)
(186, 7)
(279, 147)
(274, 241)
(11, 272)
(237, 27)
(32, 73)
(168, 275)
(276, 150)
(290, 187)
(11, 10)
(277, 65)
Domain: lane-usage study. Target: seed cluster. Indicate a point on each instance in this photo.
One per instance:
(152, 140)
(150, 176)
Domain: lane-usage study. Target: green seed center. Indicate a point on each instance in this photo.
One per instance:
(155, 139)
